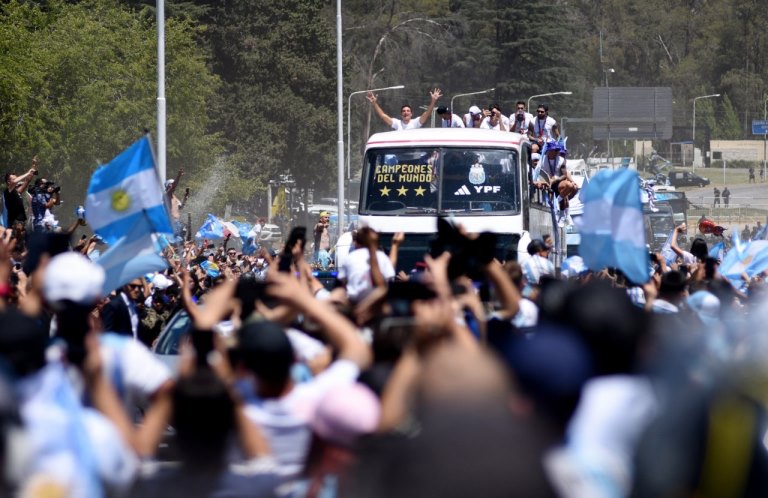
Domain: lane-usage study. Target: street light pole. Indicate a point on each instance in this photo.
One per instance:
(349, 124)
(340, 120)
(528, 106)
(693, 131)
(765, 108)
(467, 94)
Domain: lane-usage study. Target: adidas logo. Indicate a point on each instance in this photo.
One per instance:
(463, 191)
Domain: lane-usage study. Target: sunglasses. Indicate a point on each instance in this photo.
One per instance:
(521, 108)
(135, 286)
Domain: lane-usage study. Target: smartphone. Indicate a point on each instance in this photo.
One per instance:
(202, 341)
(44, 243)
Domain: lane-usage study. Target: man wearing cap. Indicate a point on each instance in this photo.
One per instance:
(406, 121)
(448, 119)
(474, 117)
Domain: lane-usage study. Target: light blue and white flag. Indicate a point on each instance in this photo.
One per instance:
(666, 250)
(126, 192)
(751, 260)
(131, 257)
(717, 251)
(212, 228)
(612, 232)
(243, 228)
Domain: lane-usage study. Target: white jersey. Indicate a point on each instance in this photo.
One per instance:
(454, 122)
(486, 124)
(521, 126)
(542, 128)
(398, 124)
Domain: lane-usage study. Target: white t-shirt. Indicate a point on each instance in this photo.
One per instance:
(521, 126)
(286, 421)
(542, 128)
(454, 122)
(471, 123)
(527, 315)
(413, 124)
(486, 124)
(356, 269)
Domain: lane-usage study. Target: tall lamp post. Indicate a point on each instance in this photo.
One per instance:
(468, 94)
(528, 106)
(693, 131)
(349, 122)
(765, 116)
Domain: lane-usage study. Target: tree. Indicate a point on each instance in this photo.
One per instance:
(277, 61)
(79, 86)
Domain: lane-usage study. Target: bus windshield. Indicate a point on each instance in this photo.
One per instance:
(441, 180)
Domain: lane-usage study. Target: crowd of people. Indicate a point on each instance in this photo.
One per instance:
(463, 376)
(468, 374)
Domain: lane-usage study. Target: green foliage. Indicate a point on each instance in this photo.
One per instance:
(79, 85)
(279, 74)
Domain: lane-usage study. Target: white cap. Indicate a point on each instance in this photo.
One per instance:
(161, 282)
(474, 110)
(71, 276)
(535, 156)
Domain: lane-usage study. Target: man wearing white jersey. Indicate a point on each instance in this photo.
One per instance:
(406, 121)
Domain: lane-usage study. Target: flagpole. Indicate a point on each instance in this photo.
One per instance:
(161, 90)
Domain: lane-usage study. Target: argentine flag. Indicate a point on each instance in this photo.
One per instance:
(612, 231)
(751, 259)
(126, 193)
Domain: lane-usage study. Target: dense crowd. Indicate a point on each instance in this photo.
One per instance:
(466, 375)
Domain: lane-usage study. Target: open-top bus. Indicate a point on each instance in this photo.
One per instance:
(479, 178)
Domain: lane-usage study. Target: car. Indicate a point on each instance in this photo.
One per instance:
(167, 346)
(271, 233)
(686, 179)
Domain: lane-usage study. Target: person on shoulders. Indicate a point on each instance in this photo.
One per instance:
(406, 121)
(13, 204)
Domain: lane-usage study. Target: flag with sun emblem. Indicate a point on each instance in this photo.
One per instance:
(125, 193)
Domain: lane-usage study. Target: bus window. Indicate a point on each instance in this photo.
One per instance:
(450, 180)
(401, 181)
(480, 181)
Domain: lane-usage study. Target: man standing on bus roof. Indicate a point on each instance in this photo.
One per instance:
(406, 121)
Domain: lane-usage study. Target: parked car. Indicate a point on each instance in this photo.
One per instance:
(686, 179)
(271, 233)
(167, 345)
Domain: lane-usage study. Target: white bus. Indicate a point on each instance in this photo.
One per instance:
(479, 178)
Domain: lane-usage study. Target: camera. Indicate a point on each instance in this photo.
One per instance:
(35, 172)
(520, 116)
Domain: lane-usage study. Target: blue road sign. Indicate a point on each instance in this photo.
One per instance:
(759, 126)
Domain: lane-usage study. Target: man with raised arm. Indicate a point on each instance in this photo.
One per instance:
(406, 121)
